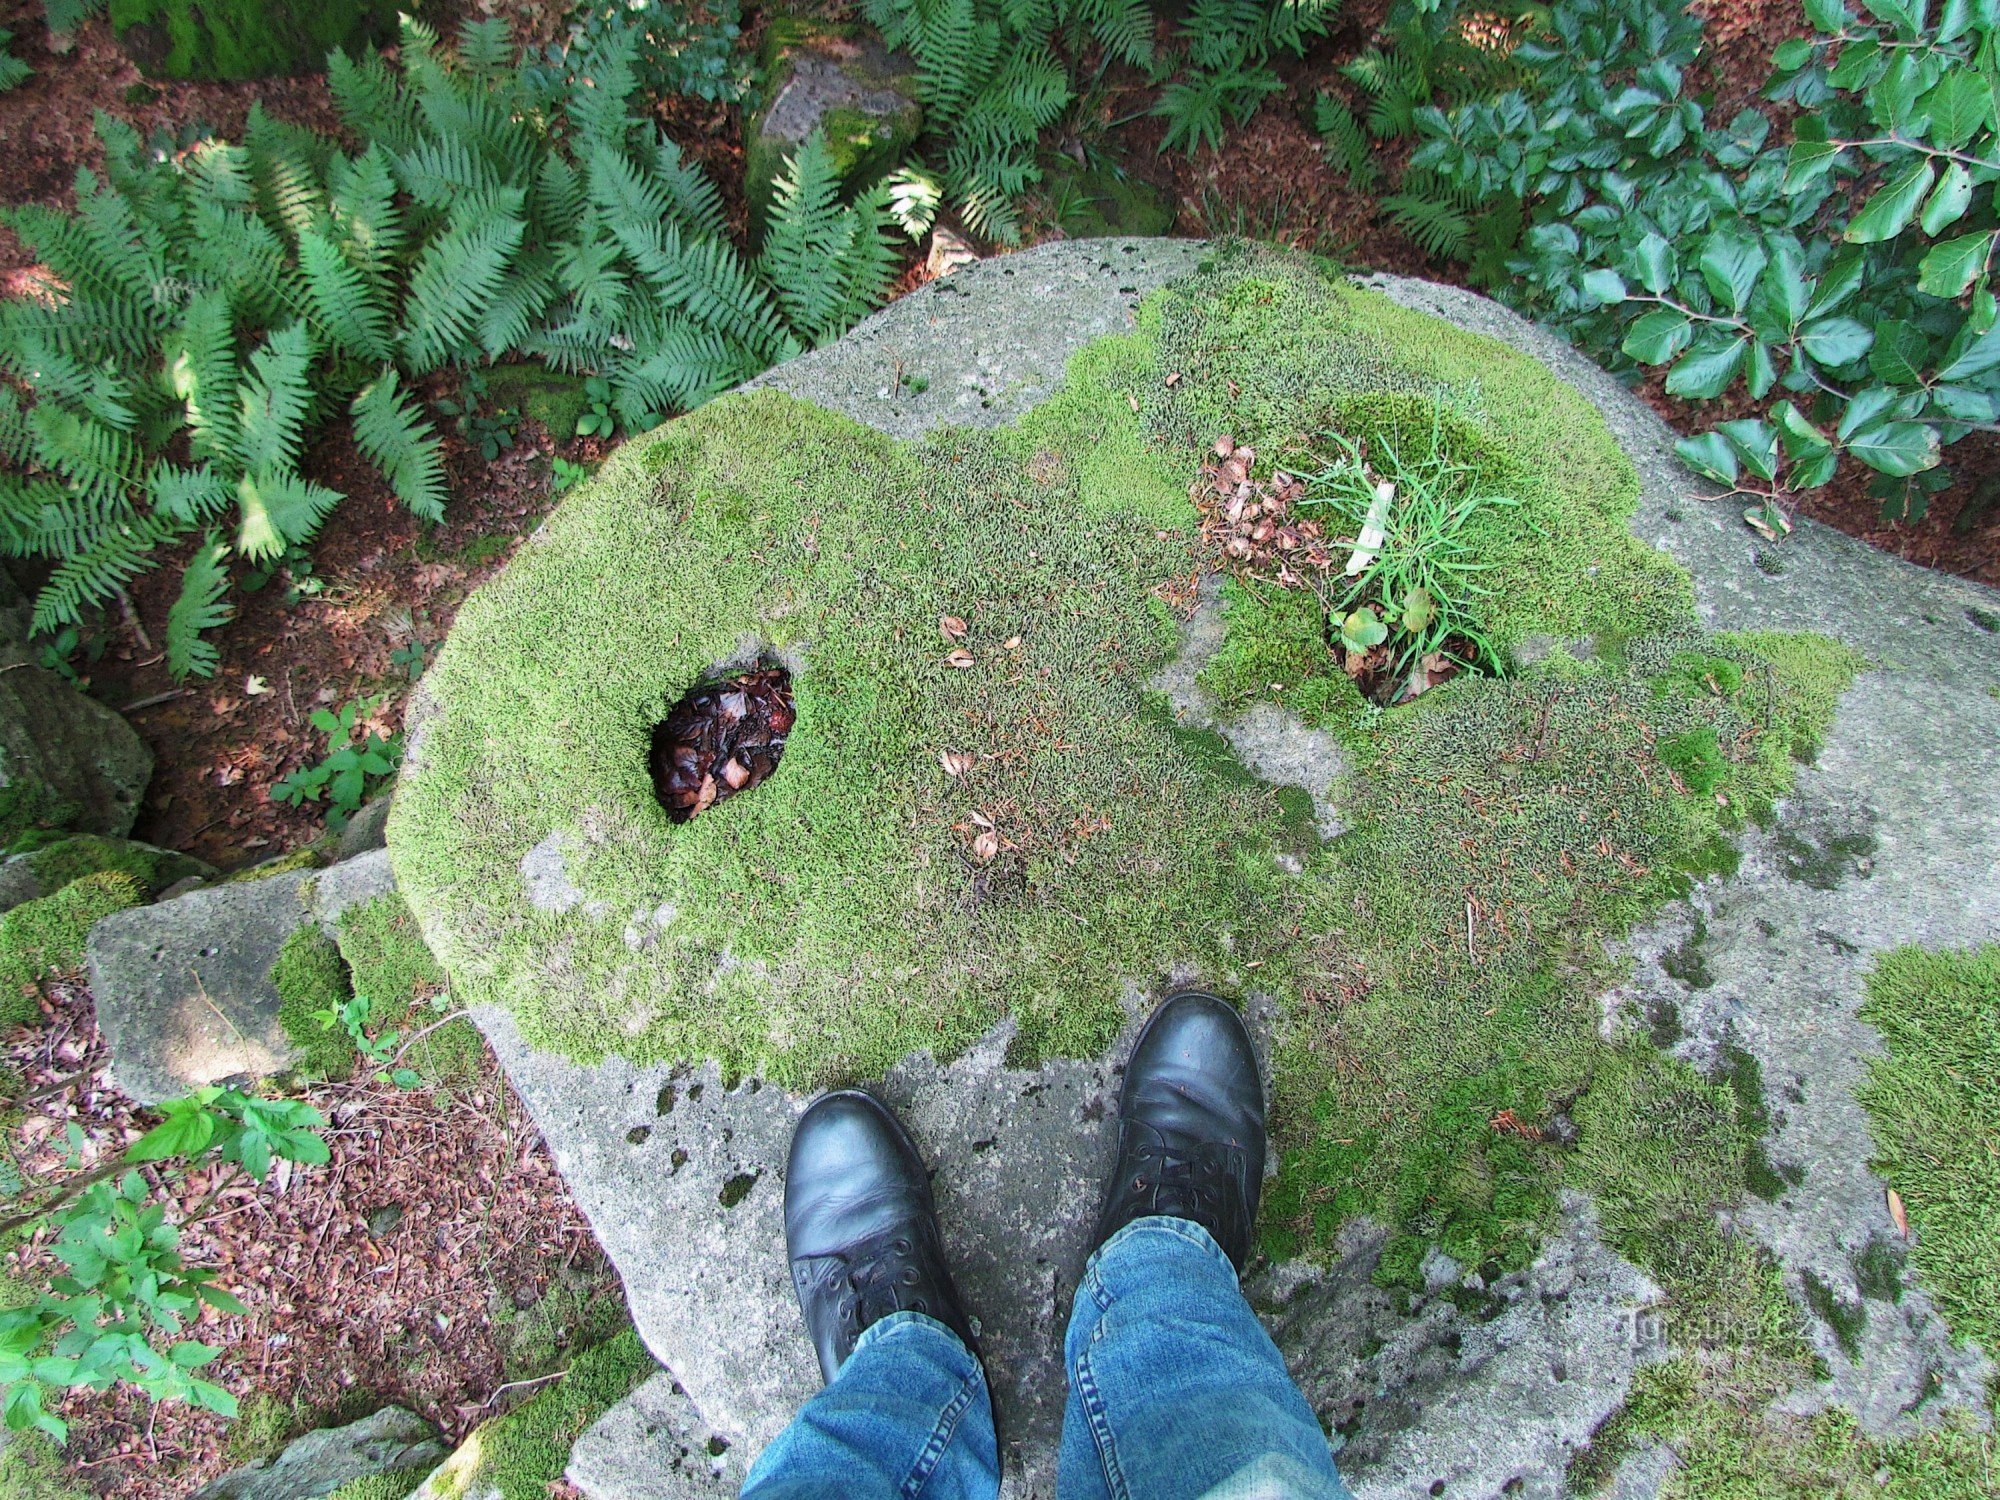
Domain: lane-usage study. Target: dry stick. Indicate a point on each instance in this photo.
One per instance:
(418, 1036)
(155, 701)
(517, 1384)
(132, 619)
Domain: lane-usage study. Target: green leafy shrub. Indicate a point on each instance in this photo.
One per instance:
(116, 1315)
(44, 937)
(352, 769)
(680, 49)
(220, 301)
(1847, 268)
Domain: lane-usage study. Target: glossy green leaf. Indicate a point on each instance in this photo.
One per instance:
(1949, 268)
(1795, 53)
(1809, 161)
(1710, 456)
(1836, 341)
(1897, 447)
(1959, 107)
(1826, 15)
(1707, 371)
(1948, 200)
(1654, 262)
(1981, 355)
(1730, 263)
(1606, 285)
(1900, 352)
(1891, 206)
(1756, 444)
(1658, 336)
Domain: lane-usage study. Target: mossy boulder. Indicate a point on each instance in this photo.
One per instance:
(1448, 919)
(49, 867)
(224, 39)
(840, 79)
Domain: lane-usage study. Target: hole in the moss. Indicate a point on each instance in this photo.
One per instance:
(723, 737)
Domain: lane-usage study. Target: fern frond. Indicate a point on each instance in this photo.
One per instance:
(372, 103)
(456, 280)
(29, 510)
(56, 374)
(13, 72)
(675, 369)
(1345, 143)
(198, 607)
(202, 372)
(239, 253)
(805, 240)
(392, 430)
(272, 403)
(1436, 226)
(557, 194)
(688, 188)
(348, 310)
(598, 106)
(705, 279)
(485, 48)
(100, 462)
(220, 173)
(66, 15)
(92, 572)
(1124, 28)
(361, 203)
(587, 268)
(187, 497)
(622, 193)
(279, 509)
(287, 164)
(523, 297)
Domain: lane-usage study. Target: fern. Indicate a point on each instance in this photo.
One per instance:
(198, 607)
(13, 72)
(1345, 143)
(279, 510)
(1439, 227)
(94, 569)
(272, 403)
(402, 444)
(348, 311)
(67, 15)
(455, 281)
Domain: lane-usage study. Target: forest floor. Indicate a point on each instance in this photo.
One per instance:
(366, 1285)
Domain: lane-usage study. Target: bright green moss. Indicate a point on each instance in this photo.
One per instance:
(311, 979)
(244, 38)
(31, 1469)
(45, 937)
(56, 865)
(389, 963)
(836, 918)
(379, 1487)
(1934, 1106)
(518, 1456)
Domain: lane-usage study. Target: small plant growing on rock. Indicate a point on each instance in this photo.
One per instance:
(1405, 618)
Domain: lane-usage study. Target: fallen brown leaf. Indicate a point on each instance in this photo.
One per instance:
(955, 762)
(1900, 1214)
(951, 627)
(960, 658)
(986, 846)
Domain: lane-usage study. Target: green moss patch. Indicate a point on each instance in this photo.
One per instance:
(1934, 1106)
(311, 979)
(43, 938)
(518, 1456)
(388, 962)
(56, 865)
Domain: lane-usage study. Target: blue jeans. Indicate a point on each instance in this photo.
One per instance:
(1175, 1393)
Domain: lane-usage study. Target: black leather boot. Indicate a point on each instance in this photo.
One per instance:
(860, 1226)
(1191, 1125)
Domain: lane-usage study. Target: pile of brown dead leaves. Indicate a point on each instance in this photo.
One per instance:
(722, 738)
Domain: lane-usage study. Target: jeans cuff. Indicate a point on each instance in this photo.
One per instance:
(1185, 1229)
(956, 1352)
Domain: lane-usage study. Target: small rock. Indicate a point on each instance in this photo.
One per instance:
(392, 1441)
(183, 989)
(352, 882)
(948, 252)
(368, 828)
(66, 761)
(384, 1220)
(839, 79)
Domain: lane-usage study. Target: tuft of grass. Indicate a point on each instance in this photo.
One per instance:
(43, 938)
(1933, 1106)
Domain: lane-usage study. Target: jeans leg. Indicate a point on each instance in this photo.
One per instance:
(907, 1418)
(1175, 1390)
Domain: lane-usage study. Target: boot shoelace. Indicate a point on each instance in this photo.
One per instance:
(1189, 1181)
(872, 1279)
